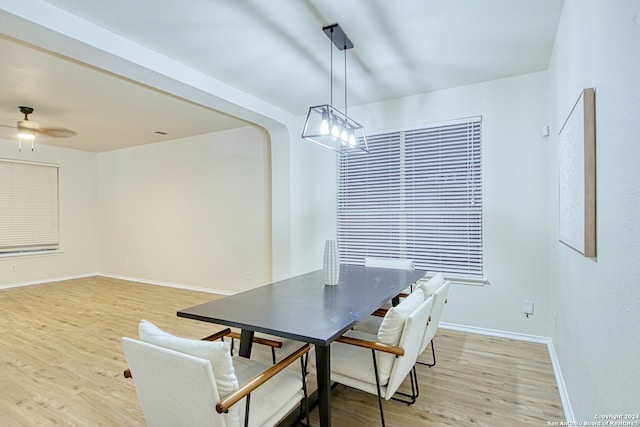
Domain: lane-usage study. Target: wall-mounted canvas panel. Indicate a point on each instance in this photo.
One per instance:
(577, 177)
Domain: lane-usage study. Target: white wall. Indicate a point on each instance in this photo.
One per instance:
(79, 244)
(313, 203)
(193, 212)
(597, 337)
(515, 220)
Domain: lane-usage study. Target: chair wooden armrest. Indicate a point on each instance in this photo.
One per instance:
(381, 312)
(233, 398)
(258, 340)
(398, 351)
(218, 335)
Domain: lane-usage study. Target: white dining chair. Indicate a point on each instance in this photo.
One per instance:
(397, 263)
(435, 287)
(379, 363)
(185, 382)
(428, 285)
(440, 296)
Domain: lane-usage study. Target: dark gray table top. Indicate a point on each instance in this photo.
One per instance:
(303, 308)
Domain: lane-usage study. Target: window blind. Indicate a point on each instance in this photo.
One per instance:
(416, 195)
(28, 207)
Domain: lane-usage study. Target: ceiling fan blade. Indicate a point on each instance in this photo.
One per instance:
(56, 132)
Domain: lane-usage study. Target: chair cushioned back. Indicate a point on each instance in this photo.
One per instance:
(391, 330)
(184, 394)
(439, 298)
(393, 322)
(399, 264)
(218, 353)
(429, 286)
(412, 334)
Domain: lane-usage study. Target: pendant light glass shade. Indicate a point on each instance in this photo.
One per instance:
(330, 128)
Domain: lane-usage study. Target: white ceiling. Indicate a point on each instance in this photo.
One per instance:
(273, 50)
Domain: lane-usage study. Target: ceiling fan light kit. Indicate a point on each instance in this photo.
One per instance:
(26, 129)
(25, 132)
(326, 125)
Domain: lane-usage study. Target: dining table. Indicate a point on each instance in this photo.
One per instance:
(305, 309)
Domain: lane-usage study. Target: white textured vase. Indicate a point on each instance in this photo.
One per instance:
(331, 264)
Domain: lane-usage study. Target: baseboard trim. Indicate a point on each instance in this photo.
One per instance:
(555, 363)
(116, 276)
(40, 282)
(495, 333)
(562, 388)
(167, 284)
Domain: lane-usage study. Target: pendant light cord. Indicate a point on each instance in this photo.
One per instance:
(331, 73)
(345, 81)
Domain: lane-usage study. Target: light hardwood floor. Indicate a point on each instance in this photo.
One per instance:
(61, 364)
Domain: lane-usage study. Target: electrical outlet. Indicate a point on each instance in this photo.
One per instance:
(527, 307)
(13, 268)
(247, 275)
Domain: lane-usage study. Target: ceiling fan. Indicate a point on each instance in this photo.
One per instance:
(28, 129)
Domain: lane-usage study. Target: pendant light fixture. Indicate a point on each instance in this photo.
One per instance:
(326, 125)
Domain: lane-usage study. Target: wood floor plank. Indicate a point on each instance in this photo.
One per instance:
(61, 364)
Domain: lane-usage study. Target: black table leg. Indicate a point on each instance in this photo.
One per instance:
(246, 340)
(323, 373)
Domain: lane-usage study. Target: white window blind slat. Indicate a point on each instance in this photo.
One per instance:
(418, 195)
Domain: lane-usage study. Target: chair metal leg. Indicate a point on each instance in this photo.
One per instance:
(375, 370)
(433, 354)
(305, 400)
(415, 392)
(413, 377)
(246, 411)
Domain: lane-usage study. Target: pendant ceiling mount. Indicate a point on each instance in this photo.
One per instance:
(338, 37)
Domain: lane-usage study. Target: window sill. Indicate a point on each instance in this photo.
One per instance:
(30, 254)
(465, 280)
